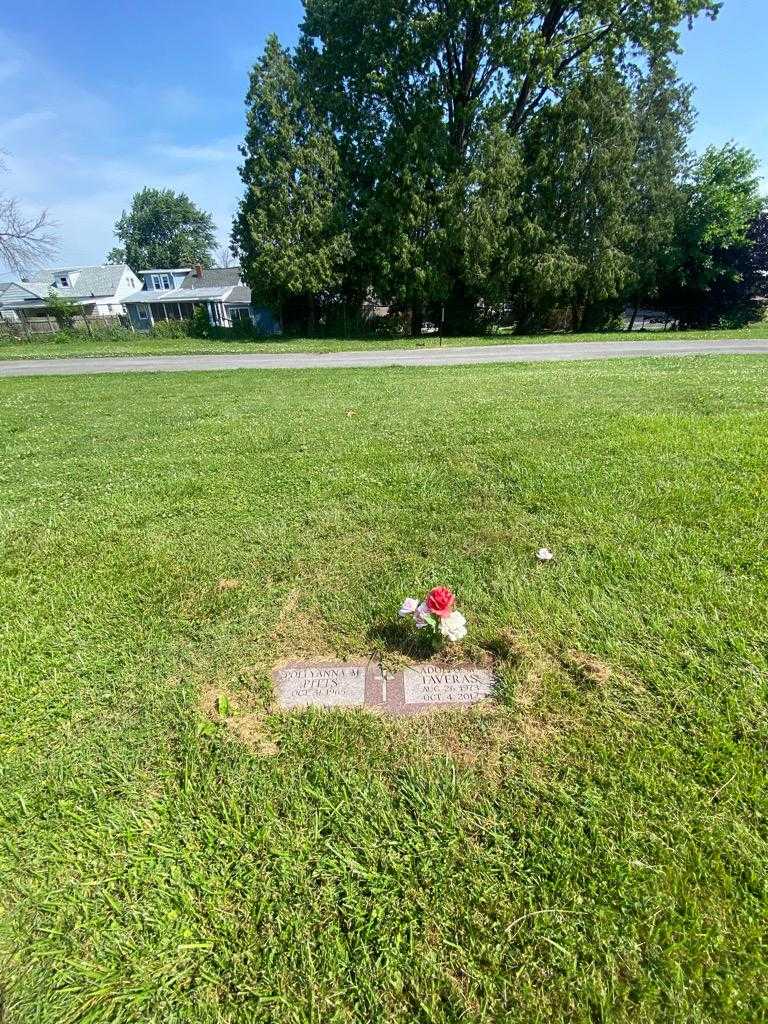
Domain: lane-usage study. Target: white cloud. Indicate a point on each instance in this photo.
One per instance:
(224, 151)
(75, 154)
(16, 126)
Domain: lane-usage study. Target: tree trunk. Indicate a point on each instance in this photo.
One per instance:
(416, 317)
(460, 310)
(635, 311)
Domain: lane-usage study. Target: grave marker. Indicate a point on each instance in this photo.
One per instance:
(430, 684)
(323, 685)
(335, 684)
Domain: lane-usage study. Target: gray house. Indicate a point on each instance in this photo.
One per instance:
(175, 293)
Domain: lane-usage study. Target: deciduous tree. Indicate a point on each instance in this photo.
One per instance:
(474, 153)
(26, 240)
(721, 201)
(164, 228)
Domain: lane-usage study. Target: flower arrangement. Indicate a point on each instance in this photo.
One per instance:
(437, 612)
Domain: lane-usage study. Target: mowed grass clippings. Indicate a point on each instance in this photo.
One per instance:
(591, 849)
(56, 346)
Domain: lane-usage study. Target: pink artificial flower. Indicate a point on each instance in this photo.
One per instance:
(422, 616)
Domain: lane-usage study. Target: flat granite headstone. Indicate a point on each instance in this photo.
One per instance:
(430, 684)
(323, 685)
(336, 684)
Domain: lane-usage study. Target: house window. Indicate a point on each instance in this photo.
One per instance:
(63, 281)
(162, 282)
(143, 313)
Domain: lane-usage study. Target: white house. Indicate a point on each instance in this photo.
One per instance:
(99, 291)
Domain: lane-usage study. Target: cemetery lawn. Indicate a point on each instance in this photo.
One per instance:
(57, 346)
(593, 847)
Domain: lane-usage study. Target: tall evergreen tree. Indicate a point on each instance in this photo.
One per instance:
(663, 121)
(289, 231)
(578, 157)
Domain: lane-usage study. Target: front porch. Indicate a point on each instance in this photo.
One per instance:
(145, 315)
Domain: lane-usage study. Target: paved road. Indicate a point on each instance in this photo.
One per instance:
(398, 357)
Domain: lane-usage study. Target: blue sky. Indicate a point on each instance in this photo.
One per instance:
(100, 99)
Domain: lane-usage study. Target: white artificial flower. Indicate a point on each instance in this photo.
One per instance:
(454, 627)
(408, 607)
(544, 555)
(422, 616)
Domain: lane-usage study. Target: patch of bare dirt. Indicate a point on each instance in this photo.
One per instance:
(253, 733)
(242, 720)
(587, 669)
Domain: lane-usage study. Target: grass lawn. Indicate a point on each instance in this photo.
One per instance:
(591, 848)
(56, 346)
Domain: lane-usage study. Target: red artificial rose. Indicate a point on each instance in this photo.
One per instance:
(440, 601)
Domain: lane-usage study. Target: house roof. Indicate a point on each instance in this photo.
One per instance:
(36, 289)
(213, 277)
(21, 296)
(217, 283)
(97, 281)
(240, 294)
(179, 295)
(91, 282)
(165, 270)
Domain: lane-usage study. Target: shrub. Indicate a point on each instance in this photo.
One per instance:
(200, 324)
(172, 329)
(105, 332)
(394, 325)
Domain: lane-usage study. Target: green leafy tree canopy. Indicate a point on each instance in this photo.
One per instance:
(456, 157)
(722, 200)
(413, 91)
(164, 228)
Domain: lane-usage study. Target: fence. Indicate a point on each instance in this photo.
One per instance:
(26, 327)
